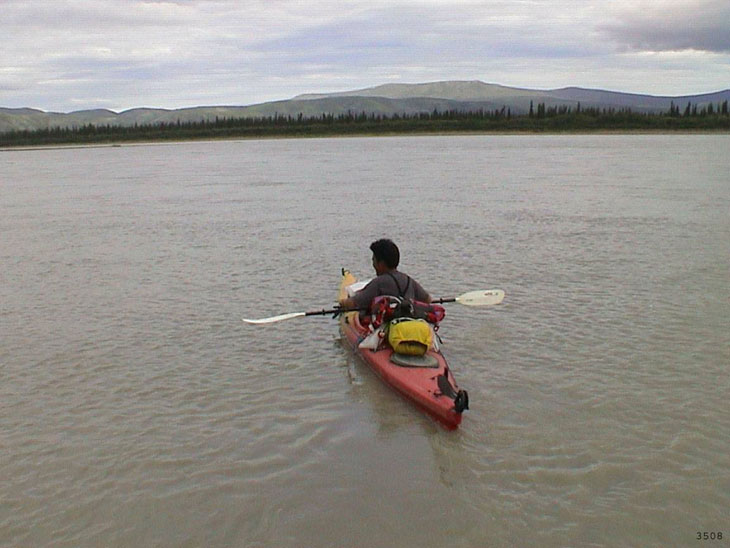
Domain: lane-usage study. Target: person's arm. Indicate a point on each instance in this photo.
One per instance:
(362, 298)
(420, 293)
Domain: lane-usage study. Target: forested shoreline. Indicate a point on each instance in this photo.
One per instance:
(540, 118)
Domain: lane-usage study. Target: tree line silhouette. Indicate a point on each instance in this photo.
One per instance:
(539, 118)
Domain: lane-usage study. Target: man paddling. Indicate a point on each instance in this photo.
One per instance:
(388, 281)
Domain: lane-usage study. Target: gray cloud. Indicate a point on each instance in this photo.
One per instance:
(114, 54)
(693, 25)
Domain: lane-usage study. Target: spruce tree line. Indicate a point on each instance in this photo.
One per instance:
(538, 118)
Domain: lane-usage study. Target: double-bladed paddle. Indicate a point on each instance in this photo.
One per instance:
(482, 297)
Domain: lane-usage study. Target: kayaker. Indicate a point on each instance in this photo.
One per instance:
(388, 281)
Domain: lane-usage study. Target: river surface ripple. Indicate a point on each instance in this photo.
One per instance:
(136, 409)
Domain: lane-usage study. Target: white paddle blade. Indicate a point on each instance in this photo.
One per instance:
(483, 297)
(279, 318)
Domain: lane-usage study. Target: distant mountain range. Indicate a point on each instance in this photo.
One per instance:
(387, 99)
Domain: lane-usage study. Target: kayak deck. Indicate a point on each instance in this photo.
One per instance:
(427, 381)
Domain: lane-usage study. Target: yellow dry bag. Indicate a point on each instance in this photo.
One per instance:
(409, 336)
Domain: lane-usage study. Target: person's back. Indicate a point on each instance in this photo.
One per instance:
(394, 283)
(389, 280)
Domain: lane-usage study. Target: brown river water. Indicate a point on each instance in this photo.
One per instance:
(136, 409)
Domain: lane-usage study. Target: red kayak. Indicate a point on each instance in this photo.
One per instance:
(425, 380)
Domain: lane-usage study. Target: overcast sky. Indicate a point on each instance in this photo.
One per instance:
(78, 54)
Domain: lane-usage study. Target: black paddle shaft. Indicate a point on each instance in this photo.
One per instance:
(338, 310)
(444, 300)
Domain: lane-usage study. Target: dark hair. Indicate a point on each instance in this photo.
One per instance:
(386, 251)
